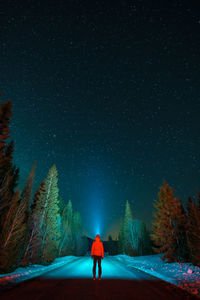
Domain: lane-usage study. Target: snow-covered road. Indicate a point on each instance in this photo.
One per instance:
(82, 268)
(74, 281)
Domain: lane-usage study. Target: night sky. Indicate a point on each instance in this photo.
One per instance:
(109, 91)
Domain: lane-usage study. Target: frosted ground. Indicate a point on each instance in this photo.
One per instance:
(184, 275)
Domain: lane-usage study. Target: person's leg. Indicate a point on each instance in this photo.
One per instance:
(94, 266)
(99, 265)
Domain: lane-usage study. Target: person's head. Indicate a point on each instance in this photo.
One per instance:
(97, 237)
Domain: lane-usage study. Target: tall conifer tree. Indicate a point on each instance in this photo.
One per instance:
(33, 249)
(168, 226)
(128, 218)
(8, 197)
(121, 238)
(77, 233)
(70, 241)
(26, 198)
(45, 218)
(62, 248)
(8, 172)
(49, 224)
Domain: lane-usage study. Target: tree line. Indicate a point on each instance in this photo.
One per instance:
(134, 237)
(176, 230)
(38, 228)
(33, 229)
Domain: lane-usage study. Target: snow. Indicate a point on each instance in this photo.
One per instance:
(184, 275)
(29, 272)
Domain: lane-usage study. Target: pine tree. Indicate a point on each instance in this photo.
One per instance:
(61, 204)
(15, 226)
(77, 233)
(11, 235)
(9, 205)
(69, 212)
(135, 236)
(26, 198)
(8, 172)
(33, 250)
(64, 229)
(49, 223)
(168, 226)
(121, 238)
(193, 234)
(44, 237)
(69, 241)
(144, 241)
(128, 219)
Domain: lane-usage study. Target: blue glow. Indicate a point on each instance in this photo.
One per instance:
(97, 228)
(81, 267)
(95, 214)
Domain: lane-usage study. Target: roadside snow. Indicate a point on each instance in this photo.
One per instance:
(184, 275)
(26, 273)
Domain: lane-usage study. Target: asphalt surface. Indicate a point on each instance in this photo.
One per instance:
(74, 281)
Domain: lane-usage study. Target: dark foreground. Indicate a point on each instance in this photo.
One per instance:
(88, 289)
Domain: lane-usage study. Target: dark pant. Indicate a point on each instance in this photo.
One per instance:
(99, 265)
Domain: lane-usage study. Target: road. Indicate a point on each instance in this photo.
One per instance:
(74, 281)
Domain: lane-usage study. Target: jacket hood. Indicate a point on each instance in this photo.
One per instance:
(97, 238)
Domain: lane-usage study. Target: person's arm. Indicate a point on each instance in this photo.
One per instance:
(102, 250)
(92, 249)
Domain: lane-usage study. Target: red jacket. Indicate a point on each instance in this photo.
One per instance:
(97, 247)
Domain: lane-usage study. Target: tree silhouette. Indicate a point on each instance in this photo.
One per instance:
(169, 225)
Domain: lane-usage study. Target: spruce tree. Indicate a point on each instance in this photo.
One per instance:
(45, 214)
(8, 172)
(11, 235)
(9, 205)
(121, 238)
(49, 223)
(193, 233)
(135, 236)
(70, 241)
(26, 198)
(77, 233)
(69, 212)
(15, 227)
(169, 225)
(64, 229)
(128, 219)
(33, 249)
(144, 241)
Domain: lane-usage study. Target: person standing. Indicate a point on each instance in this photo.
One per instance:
(97, 253)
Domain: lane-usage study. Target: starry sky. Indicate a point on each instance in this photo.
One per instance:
(110, 93)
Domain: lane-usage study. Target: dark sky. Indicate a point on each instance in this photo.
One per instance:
(109, 91)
